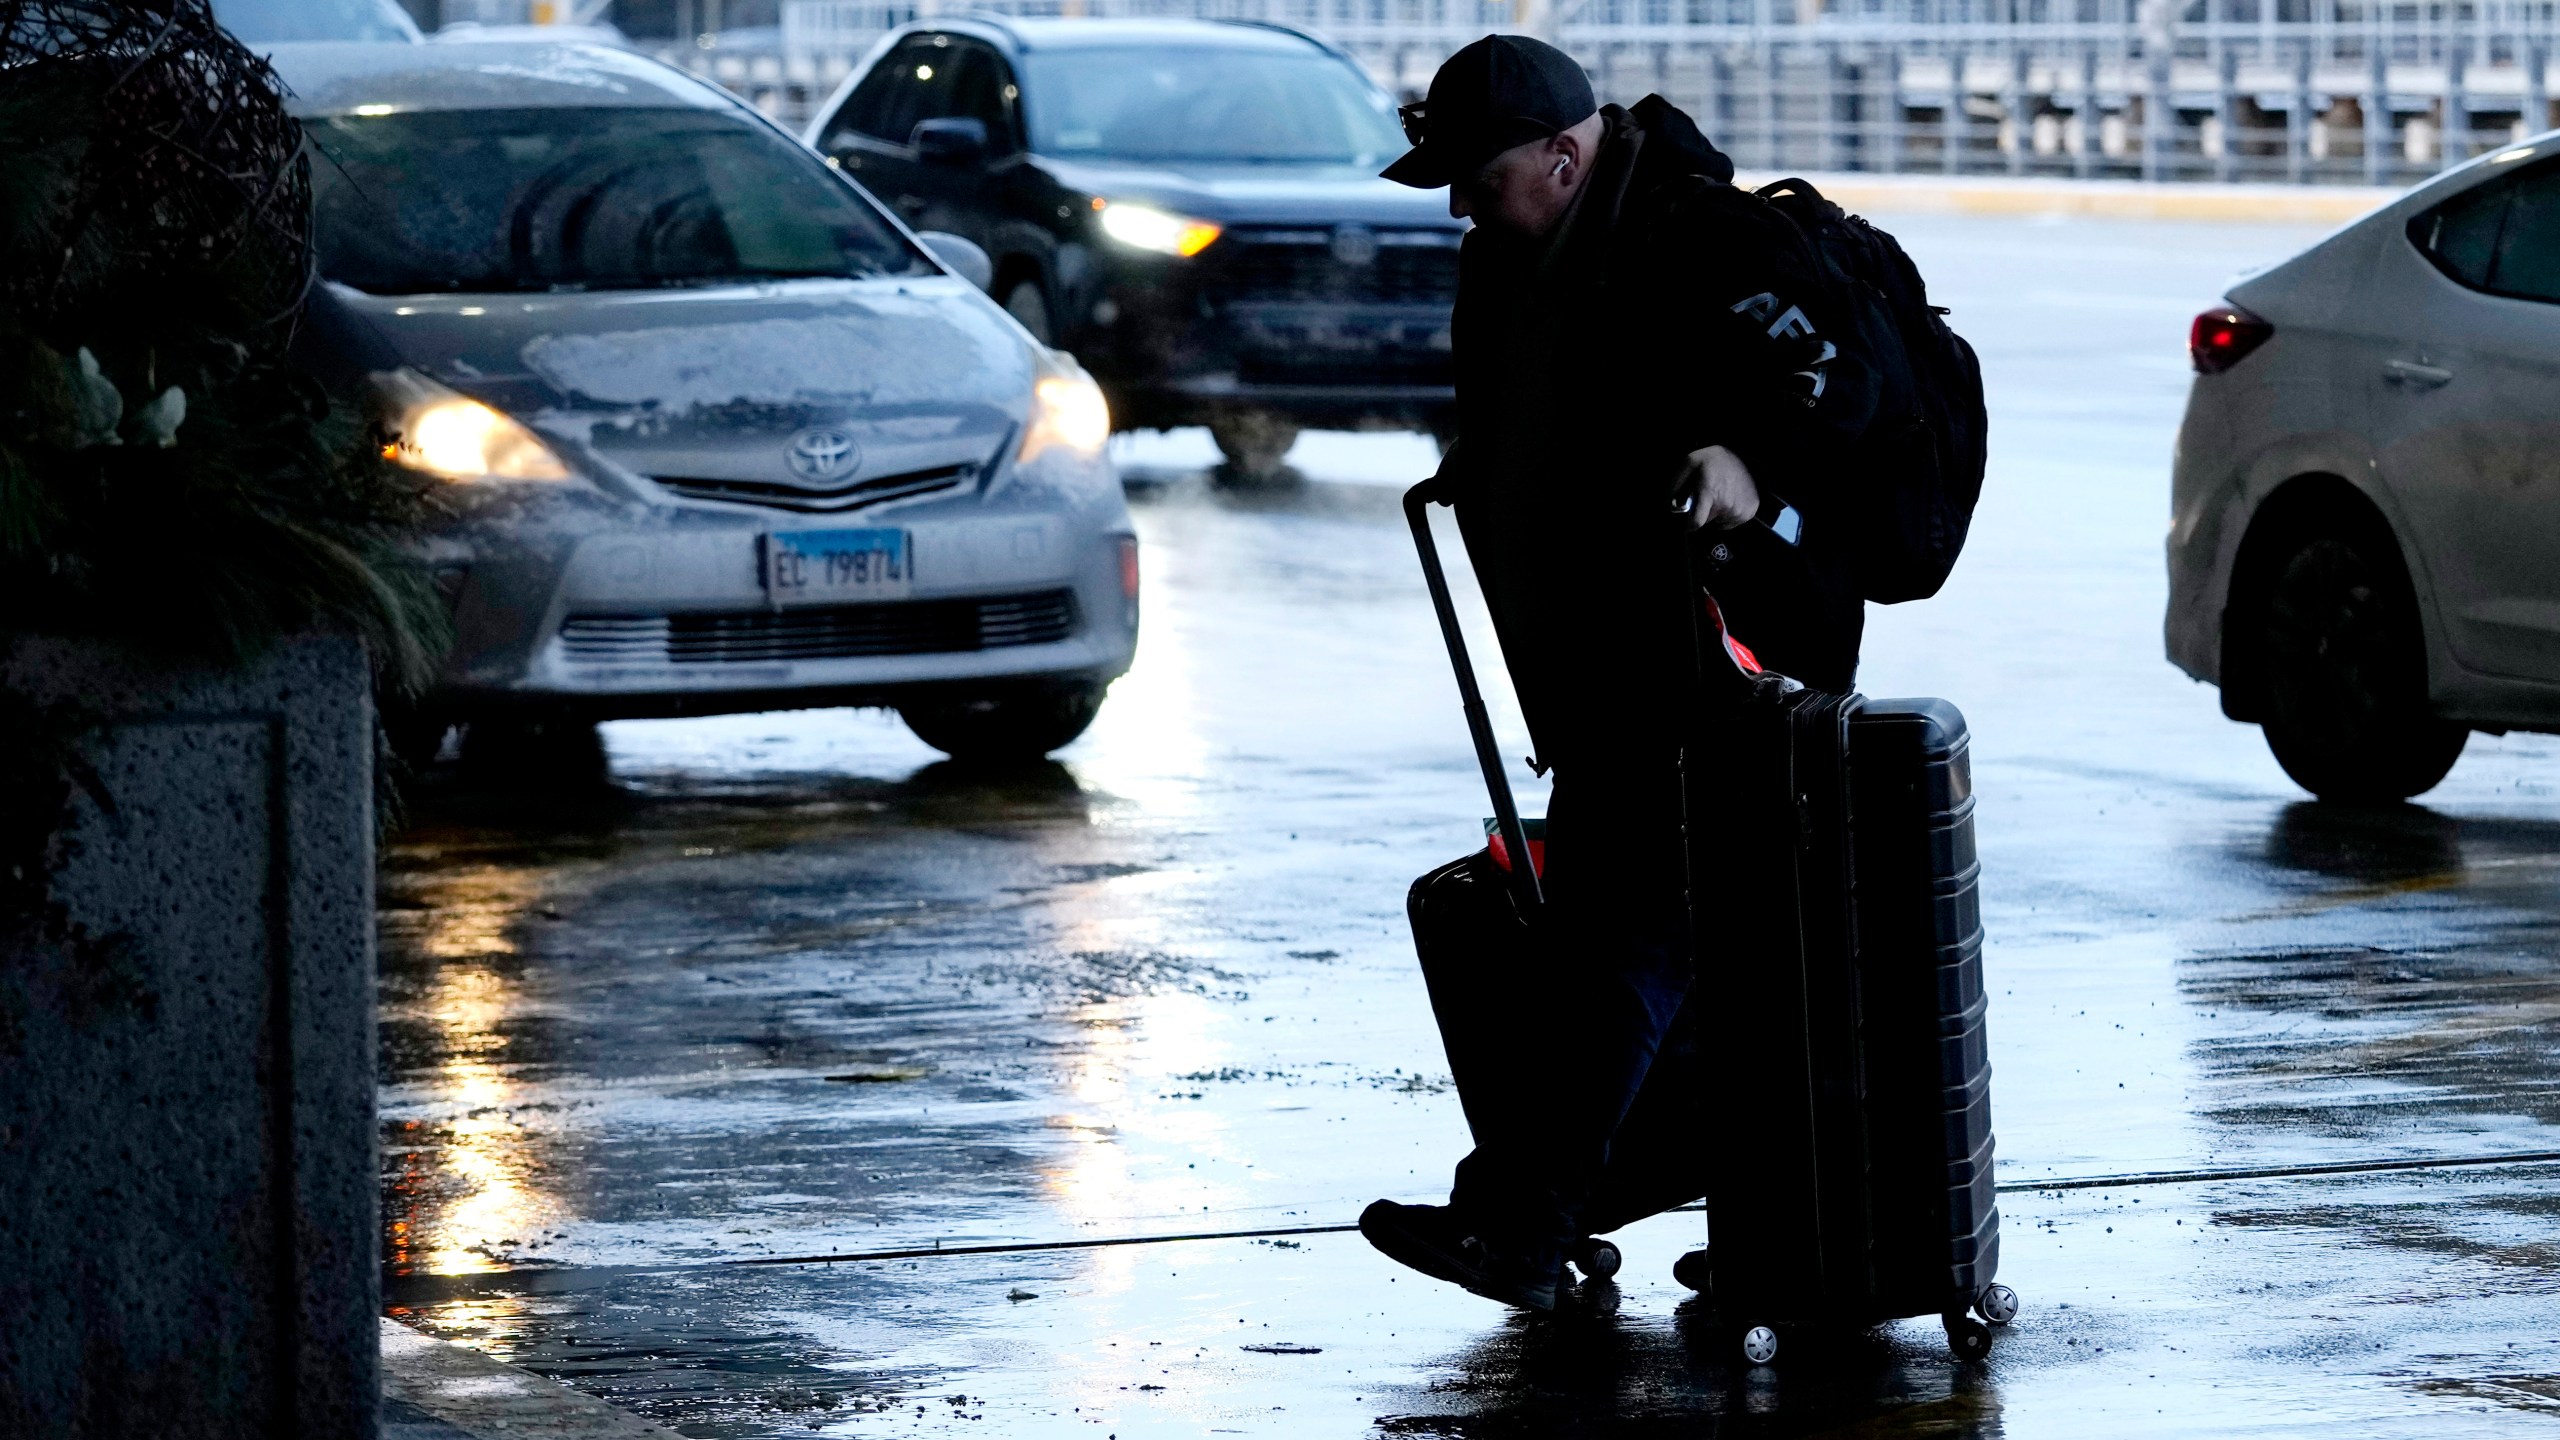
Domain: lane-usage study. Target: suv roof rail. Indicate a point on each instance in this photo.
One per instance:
(1284, 28)
(993, 20)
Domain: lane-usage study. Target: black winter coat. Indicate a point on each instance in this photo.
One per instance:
(1668, 312)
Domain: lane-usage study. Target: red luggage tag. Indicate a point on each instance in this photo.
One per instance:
(1739, 653)
(1501, 851)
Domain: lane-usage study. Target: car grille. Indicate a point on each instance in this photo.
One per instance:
(822, 499)
(1382, 367)
(1411, 268)
(836, 632)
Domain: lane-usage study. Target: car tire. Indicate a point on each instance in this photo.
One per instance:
(538, 750)
(415, 736)
(2346, 678)
(1255, 444)
(1028, 304)
(1014, 726)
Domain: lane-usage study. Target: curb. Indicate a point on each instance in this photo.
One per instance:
(436, 1390)
(2098, 199)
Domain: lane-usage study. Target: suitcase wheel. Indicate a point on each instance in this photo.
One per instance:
(1969, 1338)
(1691, 1270)
(1596, 1258)
(1997, 1304)
(1760, 1344)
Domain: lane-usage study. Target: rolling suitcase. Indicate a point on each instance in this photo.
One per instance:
(1850, 1109)
(1853, 1101)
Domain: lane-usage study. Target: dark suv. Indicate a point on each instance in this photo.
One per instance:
(1191, 207)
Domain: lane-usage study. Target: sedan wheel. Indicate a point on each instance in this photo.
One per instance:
(2346, 711)
(538, 750)
(1017, 725)
(1255, 443)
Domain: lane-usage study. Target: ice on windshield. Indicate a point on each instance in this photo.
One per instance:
(1198, 103)
(540, 199)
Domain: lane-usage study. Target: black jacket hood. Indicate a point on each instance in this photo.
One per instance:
(1673, 142)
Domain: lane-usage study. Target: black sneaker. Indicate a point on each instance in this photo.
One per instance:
(1437, 1241)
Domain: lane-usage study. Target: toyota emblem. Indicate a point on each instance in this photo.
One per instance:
(1355, 245)
(824, 453)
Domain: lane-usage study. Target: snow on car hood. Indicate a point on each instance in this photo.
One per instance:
(714, 383)
(900, 351)
(856, 343)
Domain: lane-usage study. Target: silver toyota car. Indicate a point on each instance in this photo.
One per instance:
(2364, 546)
(720, 433)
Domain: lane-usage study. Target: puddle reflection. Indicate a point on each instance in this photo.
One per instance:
(460, 1197)
(1585, 1370)
(507, 913)
(2381, 852)
(2369, 844)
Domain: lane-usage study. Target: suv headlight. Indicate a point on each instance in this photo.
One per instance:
(1067, 409)
(445, 433)
(1144, 227)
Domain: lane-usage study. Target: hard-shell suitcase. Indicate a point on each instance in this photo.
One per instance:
(1834, 875)
(1852, 1111)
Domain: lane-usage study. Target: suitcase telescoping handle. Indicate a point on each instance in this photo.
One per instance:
(1525, 891)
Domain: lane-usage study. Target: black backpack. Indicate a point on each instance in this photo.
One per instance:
(1917, 470)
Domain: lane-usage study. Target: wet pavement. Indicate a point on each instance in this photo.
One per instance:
(784, 986)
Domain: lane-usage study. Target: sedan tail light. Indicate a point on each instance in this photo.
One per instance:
(2222, 337)
(1129, 579)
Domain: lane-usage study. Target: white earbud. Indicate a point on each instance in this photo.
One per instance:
(1560, 164)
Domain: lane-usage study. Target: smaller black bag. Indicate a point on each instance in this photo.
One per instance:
(1917, 470)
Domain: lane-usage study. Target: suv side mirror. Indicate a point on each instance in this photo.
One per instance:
(961, 256)
(951, 140)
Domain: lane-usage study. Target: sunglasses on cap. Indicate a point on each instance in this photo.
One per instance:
(1519, 129)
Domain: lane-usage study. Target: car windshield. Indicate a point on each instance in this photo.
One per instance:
(597, 199)
(1184, 102)
(269, 22)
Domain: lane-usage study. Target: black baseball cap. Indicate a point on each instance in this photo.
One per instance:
(1501, 91)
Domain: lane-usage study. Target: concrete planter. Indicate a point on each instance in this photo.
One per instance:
(187, 1138)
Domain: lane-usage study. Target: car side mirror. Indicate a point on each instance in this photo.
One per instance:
(950, 140)
(961, 256)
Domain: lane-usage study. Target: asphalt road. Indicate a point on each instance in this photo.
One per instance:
(786, 987)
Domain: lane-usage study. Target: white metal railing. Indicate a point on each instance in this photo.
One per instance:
(2408, 30)
(2301, 90)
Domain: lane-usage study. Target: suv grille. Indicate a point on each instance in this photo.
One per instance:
(837, 632)
(1411, 268)
(821, 499)
(1281, 366)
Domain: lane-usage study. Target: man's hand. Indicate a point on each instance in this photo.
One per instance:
(1716, 489)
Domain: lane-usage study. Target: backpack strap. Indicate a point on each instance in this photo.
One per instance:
(1792, 185)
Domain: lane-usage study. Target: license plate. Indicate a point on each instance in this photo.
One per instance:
(808, 567)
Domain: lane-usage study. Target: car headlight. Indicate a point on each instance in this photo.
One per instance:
(1067, 410)
(445, 433)
(1144, 227)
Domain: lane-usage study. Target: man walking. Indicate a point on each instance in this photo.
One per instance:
(1635, 338)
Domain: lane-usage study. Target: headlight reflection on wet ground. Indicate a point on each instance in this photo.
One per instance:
(1150, 751)
(463, 1190)
(1133, 1155)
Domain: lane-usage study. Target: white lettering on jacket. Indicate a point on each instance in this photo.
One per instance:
(1790, 321)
